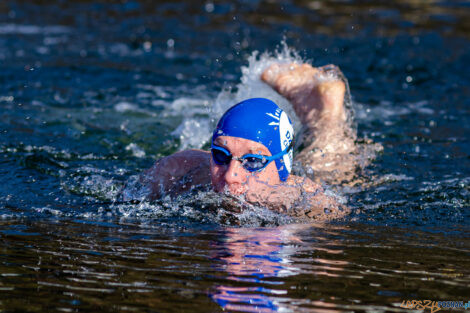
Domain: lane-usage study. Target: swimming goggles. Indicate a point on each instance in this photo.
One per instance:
(250, 162)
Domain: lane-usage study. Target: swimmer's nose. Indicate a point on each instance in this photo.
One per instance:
(235, 174)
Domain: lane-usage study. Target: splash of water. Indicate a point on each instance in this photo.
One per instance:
(198, 117)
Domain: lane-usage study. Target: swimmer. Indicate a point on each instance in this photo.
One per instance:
(252, 147)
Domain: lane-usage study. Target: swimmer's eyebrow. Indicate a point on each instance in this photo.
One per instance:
(251, 150)
(218, 142)
(257, 151)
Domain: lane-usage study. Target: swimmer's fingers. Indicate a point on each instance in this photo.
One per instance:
(329, 68)
(291, 80)
(275, 71)
(271, 74)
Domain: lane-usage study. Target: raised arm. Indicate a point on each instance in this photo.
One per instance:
(317, 96)
(315, 93)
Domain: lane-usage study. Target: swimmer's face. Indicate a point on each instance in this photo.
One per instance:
(233, 177)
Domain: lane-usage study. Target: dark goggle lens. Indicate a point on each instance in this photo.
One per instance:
(254, 164)
(251, 164)
(220, 157)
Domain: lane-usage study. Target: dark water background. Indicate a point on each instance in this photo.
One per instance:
(92, 92)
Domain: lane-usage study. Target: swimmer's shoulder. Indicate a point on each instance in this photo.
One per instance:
(190, 154)
(177, 173)
(182, 162)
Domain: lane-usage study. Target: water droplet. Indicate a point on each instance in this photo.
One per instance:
(209, 7)
(147, 46)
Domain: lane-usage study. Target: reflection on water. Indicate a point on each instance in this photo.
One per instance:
(255, 256)
(261, 259)
(122, 266)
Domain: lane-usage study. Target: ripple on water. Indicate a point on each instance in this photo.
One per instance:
(18, 29)
(274, 268)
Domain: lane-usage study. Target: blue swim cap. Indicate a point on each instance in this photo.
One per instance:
(260, 120)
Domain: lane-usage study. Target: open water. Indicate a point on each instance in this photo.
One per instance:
(92, 92)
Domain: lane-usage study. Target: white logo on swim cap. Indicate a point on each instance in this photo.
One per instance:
(286, 132)
(275, 116)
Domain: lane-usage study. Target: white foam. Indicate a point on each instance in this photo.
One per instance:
(50, 41)
(189, 106)
(203, 206)
(193, 132)
(124, 107)
(251, 86)
(6, 98)
(201, 115)
(92, 185)
(195, 129)
(17, 29)
(137, 151)
(387, 111)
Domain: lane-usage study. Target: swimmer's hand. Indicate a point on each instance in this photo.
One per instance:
(313, 203)
(314, 92)
(300, 198)
(279, 198)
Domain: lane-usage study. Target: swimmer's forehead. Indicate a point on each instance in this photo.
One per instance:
(248, 146)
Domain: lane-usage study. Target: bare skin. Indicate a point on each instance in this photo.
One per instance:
(318, 104)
